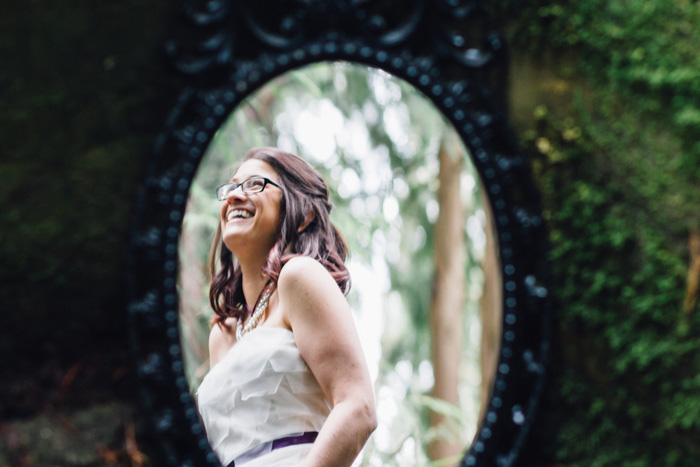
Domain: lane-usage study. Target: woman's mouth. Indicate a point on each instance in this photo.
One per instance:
(238, 214)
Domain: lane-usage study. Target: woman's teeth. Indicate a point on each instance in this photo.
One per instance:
(238, 214)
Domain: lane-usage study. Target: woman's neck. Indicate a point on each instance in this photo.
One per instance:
(253, 281)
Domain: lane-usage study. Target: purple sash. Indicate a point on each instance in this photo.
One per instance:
(269, 446)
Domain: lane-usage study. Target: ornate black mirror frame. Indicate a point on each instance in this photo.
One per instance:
(229, 48)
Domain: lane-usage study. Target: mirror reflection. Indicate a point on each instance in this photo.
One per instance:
(425, 280)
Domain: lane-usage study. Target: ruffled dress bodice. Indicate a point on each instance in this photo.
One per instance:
(260, 391)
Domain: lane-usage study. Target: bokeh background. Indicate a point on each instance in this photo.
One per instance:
(605, 99)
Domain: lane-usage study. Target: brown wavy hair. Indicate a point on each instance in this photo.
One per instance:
(304, 191)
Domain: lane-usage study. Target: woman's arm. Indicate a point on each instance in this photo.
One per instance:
(325, 334)
(221, 340)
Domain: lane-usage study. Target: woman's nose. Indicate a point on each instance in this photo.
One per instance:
(235, 194)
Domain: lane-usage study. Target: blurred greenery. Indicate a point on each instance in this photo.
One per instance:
(619, 168)
(614, 146)
(82, 98)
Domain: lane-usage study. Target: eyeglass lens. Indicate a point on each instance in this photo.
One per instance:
(252, 185)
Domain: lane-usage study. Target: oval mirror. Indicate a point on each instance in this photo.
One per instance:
(382, 152)
(408, 201)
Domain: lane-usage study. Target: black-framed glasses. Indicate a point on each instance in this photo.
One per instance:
(252, 185)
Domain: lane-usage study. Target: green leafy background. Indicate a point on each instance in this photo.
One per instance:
(614, 137)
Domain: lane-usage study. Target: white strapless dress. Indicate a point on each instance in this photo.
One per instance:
(260, 391)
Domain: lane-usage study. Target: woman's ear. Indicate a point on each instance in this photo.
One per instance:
(308, 218)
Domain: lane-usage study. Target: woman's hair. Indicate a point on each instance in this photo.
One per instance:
(304, 191)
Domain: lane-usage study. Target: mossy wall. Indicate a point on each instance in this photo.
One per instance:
(82, 100)
(83, 93)
(605, 97)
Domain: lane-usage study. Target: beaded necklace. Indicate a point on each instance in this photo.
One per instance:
(258, 311)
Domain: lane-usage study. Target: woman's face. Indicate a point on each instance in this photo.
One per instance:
(250, 221)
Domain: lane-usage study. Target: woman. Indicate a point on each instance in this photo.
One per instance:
(288, 383)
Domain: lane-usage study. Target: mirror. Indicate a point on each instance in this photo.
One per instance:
(230, 48)
(380, 146)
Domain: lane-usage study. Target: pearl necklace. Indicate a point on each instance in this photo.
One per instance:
(257, 314)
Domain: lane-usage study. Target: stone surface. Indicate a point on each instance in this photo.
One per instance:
(98, 435)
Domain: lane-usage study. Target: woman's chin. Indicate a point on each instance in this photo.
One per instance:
(236, 227)
(235, 238)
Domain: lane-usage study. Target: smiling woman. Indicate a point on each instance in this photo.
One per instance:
(377, 168)
(278, 250)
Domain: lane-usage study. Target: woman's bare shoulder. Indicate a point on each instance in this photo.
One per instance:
(300, 263)
(303, 272)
